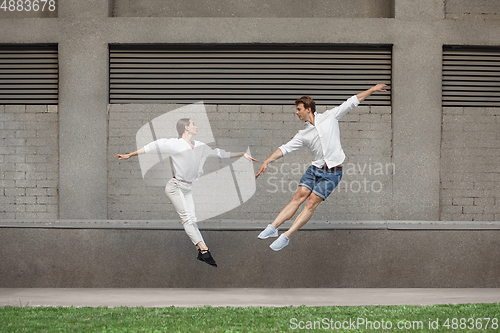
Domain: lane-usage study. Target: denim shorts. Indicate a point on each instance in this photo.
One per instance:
(320, 182)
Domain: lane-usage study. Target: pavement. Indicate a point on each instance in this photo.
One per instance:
(243, 297)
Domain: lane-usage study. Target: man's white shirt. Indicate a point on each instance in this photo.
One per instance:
(323, 138)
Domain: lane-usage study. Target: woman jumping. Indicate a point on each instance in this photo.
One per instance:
(188, 157)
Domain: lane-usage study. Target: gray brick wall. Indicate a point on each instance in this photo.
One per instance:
(366, 189)
(470, 164)
(365, 192)
(29, 161)
(477, 9)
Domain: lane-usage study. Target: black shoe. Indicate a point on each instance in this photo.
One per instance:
(206, 257)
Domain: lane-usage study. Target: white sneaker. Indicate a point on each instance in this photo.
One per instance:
(270, 231)
(280, 243)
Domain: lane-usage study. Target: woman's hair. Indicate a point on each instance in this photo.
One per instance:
(308, 103)
(181, 125)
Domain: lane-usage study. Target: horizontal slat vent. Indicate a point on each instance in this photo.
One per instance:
(29, 74)
(246, 74)
(471, 76)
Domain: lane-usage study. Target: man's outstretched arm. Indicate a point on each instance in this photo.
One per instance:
(363, 95)
(274, 156)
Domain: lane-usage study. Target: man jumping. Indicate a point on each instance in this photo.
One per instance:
(322, 137)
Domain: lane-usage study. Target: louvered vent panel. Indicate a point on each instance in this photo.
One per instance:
(246, 74)
(29, 74)
(471, 76)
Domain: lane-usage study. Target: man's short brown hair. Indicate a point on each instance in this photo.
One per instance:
(308, 102)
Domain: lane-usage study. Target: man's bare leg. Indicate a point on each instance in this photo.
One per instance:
(289, 210)
(305, 215)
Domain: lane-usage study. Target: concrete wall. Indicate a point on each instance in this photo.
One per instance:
(475, 10)
(415, 135)
(260, 8)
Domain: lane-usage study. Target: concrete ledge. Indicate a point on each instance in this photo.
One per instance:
(132, 258)
(215, 224)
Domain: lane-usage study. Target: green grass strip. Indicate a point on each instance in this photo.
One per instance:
(433, 318)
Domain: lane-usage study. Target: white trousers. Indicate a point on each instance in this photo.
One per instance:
(180, 195)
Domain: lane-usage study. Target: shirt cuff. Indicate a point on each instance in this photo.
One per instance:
(284, 150)
(148, 149)
(224, 154)
(356, 100)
